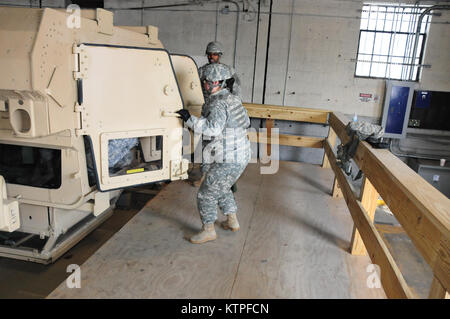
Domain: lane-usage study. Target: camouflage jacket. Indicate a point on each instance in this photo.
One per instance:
(119, 151)
(223, 126)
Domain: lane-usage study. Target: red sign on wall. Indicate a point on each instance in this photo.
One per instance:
(365, 97)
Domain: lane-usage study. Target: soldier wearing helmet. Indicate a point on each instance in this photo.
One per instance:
(214, 52)
(226, 153)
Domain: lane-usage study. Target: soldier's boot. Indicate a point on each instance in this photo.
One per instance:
(208, 233)
(231, 223)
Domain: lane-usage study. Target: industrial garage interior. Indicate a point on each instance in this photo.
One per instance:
(346, 195)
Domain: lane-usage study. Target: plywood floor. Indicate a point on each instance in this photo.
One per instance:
(293, 243)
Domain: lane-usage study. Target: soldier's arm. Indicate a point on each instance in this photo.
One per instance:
(212, 125)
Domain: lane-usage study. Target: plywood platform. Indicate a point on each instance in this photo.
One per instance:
(293, 243)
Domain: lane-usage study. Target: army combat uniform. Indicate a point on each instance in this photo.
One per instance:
(235, 89)
(227, 153)
(119, 154)
(232, 83)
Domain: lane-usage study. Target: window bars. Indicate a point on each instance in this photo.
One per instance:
(386, 41)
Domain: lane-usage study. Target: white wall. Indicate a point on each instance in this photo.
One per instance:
(437, 54)
(189, 29)
(320, 37)
(312, 47)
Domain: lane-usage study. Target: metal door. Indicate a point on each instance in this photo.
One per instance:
(124, 93)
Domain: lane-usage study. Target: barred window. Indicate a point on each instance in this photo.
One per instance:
(387, 39)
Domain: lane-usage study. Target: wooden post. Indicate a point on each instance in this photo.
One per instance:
(438, 291)
(392, 279)
(369, 199)
(332, 140)
(269, 126)
(337, 192)
(419, 207)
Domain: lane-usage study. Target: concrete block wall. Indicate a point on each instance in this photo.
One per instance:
(288, 52)
(312, 47)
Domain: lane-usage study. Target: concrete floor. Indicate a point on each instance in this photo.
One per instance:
(418, 274)
(293, 243)
(21, 279)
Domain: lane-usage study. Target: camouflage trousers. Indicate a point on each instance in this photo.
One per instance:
(216, 190)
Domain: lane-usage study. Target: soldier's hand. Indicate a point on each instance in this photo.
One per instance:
(185, 115)
(230, 83)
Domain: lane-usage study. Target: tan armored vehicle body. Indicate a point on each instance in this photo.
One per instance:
(86, 109)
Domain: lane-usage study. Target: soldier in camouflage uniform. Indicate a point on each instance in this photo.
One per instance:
(227, 153)
(214, 52)
(119, 154)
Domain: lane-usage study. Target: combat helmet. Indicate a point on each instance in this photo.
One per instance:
(216, 72)
(214, 47)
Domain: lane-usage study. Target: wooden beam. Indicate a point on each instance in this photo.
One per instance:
(332, 140)
(276, 112)
(269, 126)
(391, 278)
(287, 113)
(301, 141)
(337, 193)
(338, 122)
(438, 291)
(289, 140)
(422, 210)
(369, 198)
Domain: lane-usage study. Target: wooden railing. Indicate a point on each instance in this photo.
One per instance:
(423, 211)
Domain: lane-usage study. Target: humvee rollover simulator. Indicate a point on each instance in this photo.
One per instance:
(84, 111)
